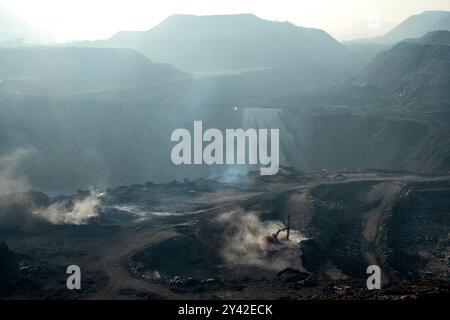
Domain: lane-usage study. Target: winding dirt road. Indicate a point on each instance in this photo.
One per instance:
(114, 264)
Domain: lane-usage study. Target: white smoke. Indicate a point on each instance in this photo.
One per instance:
(80, 212)
(12, 176)
(13, 179)
(246, 242)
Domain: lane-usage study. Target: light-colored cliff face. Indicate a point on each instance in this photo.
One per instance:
(76, 145)
(342, 140)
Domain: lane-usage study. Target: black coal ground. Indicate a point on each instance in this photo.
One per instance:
(180, 240)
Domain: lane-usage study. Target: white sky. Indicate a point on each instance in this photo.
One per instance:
(64, 20)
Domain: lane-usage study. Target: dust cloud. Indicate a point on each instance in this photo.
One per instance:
(247, 242)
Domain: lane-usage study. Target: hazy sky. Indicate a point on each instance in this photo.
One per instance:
(59, 20)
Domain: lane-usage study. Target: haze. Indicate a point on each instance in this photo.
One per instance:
(59, 21)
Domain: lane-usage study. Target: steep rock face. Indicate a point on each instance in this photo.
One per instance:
(72, 147)
(313, 141)
(420, 224)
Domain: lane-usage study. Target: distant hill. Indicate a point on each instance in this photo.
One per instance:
(441, 37)
(232, 42)
(34, 69)
(413, 70)
(415, 26)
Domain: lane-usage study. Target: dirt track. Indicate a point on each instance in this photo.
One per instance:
(372, 222)
(114, 260)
